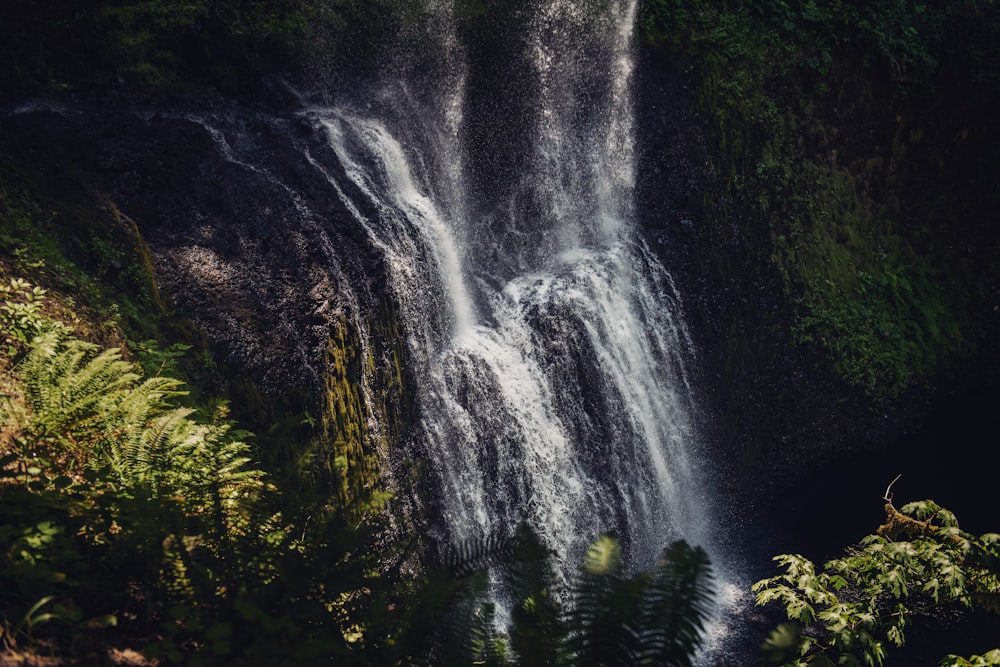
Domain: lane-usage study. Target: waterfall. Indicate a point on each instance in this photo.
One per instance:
(548, 341)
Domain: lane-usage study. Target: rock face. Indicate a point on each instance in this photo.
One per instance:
(247, 243)
(238, 249)
(774, 408)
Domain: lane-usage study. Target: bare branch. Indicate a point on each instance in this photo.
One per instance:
(888, 496)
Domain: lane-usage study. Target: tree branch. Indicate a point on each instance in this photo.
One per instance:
(887, 497)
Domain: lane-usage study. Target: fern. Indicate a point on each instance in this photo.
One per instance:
(648, 619)
(470, 556)
(487, 647)
(602, 618)
(212, 471)
(538, 629)
(97, 407)
(612, 619)
(80, 401)
(677, 602)
(140, 456)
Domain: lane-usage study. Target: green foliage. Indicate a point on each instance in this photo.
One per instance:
(988, 659)
(82, 252)
(99, 470)
(607, 617)
(11, 632)
(648, 619)
(857, 607)
(142, 41)
(887, 317)
(906, 37)
(155, 360)
(891, 327)
(230, 44)
(538, 630)
(21, 316)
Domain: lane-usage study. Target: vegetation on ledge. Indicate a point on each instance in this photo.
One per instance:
(128, 520)
(229, 44)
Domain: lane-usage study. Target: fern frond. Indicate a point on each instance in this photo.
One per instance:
(68, 393)
(140, 455)
(476, 554)
(213, 470)
(647, 619)
(537, 631)
(676, 606)
(603, 618)
(486, 646)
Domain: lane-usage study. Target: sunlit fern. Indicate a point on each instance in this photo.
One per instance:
(213, 467)
(79, 400)
(96, 407)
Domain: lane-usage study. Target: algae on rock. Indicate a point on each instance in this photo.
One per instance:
(363, 409)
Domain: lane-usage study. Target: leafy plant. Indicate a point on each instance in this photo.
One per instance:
(608, 617)
(96, 408)
(10, 631)
(652, 618)
(854, 609)
(92, 406)
(21, 315)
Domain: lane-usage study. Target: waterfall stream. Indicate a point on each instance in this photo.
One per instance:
(491, 198)
(547, 340)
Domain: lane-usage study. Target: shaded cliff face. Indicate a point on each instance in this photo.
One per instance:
(231, 248)
(771, 406)
(776, 405)
(246, 243)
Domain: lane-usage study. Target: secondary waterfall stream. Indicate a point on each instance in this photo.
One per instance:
(547, 340)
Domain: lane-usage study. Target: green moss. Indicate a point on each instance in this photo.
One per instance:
(887, 317)
(813, 146)
(363, 414)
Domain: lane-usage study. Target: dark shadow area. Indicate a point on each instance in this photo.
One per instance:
(949, 461)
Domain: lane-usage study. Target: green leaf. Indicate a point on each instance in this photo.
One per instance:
(954, 579)
(62, 482)
(800, 610)
(603, 556)
(784, 641)
(933, 586)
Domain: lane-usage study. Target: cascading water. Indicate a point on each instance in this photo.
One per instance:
(496, 193)
(547, 340)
